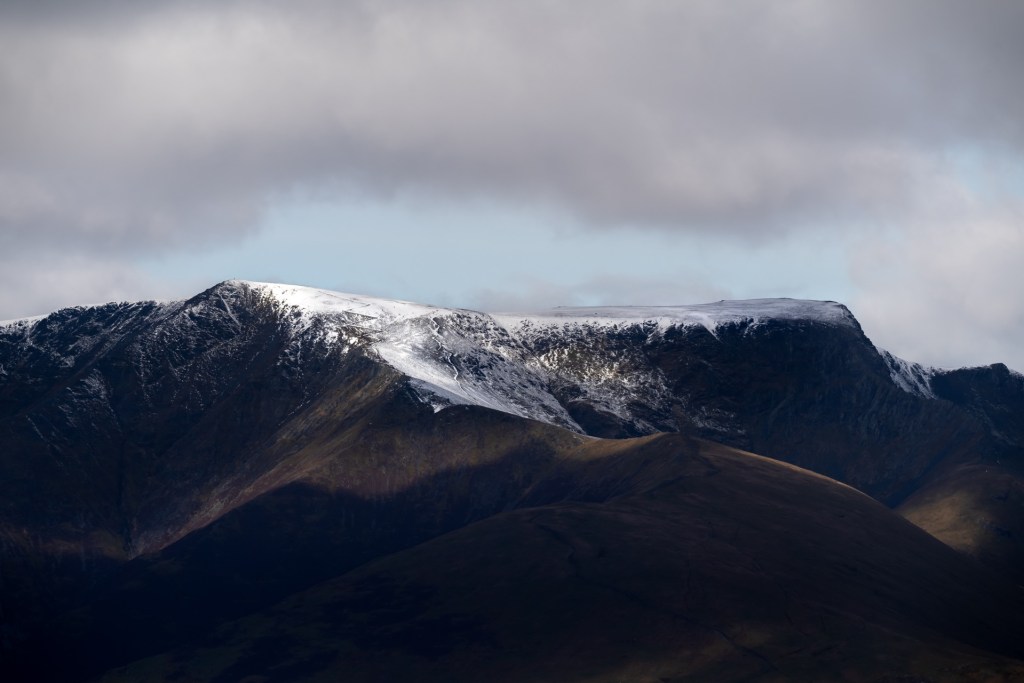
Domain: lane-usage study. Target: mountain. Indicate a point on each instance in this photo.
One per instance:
(205, 459)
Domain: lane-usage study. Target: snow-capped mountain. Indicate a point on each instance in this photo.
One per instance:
(796, 380)
(614, 371)
(521, 363)
(298, 425)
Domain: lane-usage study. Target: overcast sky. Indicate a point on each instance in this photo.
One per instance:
(496, 155)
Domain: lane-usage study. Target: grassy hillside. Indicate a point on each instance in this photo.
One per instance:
(670, 559)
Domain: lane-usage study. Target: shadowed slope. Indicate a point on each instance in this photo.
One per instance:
(123, 427)
(707, 564)
(977, 506)
(347, 489)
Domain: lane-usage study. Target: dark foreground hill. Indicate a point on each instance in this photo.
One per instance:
(643, 559)
(273, 483)
(705, 563)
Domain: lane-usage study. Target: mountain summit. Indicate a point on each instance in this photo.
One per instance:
(502, 361)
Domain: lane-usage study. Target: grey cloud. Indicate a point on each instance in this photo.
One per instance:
(152, 127)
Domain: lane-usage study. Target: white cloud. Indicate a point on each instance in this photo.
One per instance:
(38, 287)
(946, 290)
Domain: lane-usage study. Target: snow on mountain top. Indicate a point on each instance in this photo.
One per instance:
(461, 356)
(384, 312)
(709, 315)
(18, 322)
(29, 321)
(445, 367)
(310, 300)
(912, 378)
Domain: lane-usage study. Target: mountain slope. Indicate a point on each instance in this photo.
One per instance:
(707, 564)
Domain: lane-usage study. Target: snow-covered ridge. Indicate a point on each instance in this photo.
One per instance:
(457, 356)
(720, 312)
(711, 316)
(21, 322)
(451, 356)
(912, 378)
(374, 312)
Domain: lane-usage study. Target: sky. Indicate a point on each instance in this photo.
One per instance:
(521, 155)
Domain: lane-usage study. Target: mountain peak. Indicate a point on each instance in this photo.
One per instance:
(315, 301)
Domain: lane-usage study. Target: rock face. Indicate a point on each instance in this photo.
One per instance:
(184, 445)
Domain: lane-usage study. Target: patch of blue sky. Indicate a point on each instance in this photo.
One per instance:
(443, 253)
(989, 172)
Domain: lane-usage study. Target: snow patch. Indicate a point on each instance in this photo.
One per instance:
(913, 378)
(450, 355)
(361, 311)
(22, 322)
